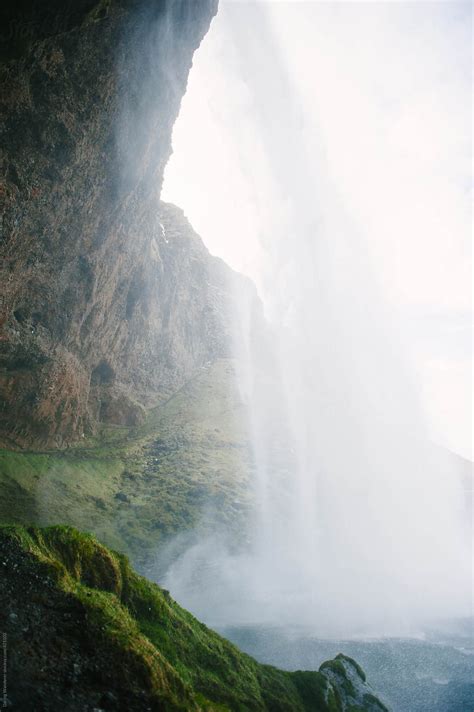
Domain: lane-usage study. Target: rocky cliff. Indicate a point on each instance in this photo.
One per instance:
(109, 300)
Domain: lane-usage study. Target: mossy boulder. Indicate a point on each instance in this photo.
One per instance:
(349, 679)
(85, 632)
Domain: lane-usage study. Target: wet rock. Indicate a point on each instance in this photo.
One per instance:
(98, 321)
(122, 497)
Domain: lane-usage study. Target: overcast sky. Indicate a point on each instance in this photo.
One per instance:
(381, 97)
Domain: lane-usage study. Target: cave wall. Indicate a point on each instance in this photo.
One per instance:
(108, 297)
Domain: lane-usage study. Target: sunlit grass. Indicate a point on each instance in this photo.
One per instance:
(186, 467)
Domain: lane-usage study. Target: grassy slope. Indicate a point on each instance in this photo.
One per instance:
(140, 632)
(187, 465)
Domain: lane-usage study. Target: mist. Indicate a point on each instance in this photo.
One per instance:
(361, 525)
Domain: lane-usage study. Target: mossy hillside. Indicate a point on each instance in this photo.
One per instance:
(187, 466)
(156, 648)
(46, 488)
(97, 658)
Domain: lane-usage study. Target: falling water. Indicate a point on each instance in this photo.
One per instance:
(361, 526)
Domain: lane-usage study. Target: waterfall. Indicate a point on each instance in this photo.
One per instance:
(360, 524)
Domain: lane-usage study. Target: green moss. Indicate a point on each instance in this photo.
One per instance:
(337, 668)
(371, 700)
(354, 664)
(317, 689)
(136, 488)
(145, 633)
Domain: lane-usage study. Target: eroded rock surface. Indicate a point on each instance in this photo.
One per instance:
(109, 300)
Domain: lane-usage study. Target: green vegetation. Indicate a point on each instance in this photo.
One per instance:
(185, 469)
(141, 633)
(349, 680)
(370, 699)
(187, 466)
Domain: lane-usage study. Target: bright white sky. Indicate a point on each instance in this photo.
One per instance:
(382, 92)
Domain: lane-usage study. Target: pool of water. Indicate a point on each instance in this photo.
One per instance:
(432, 673)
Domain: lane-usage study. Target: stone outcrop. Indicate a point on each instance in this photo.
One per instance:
(109, 300)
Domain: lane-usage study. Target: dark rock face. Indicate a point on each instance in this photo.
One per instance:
(108, 297)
